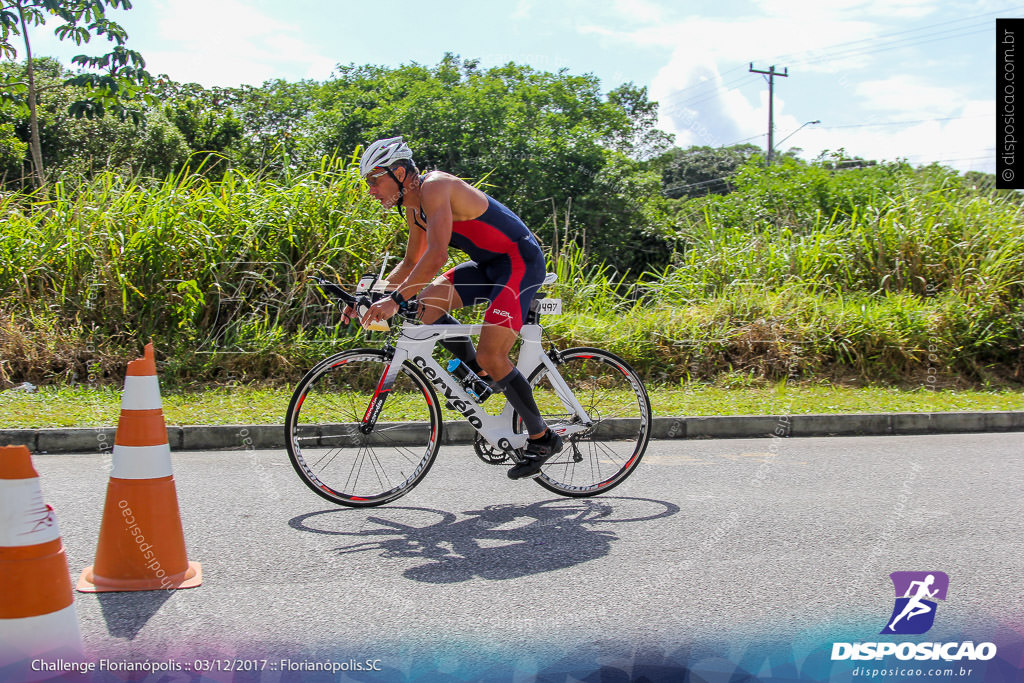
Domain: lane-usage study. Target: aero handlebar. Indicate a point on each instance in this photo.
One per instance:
(363, 301)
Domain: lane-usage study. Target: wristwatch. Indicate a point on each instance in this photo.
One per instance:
(397, 297)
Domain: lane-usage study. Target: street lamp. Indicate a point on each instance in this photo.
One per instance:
(809, 123)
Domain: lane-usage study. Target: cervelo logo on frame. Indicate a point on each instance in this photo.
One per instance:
(913, 614)
(914, 610)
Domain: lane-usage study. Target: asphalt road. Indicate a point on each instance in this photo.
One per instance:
(710, 544)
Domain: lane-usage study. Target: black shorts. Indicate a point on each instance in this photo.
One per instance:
(509, 282)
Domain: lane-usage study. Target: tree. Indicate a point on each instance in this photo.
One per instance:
(205, 119)
(83, 146)
(121, 72)
(642, 140)
(535, 136)
(697, 171)
(276, 124)
(12, 152)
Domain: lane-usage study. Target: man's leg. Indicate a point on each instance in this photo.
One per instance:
(495, 343)
(437, 299)
(492, 354)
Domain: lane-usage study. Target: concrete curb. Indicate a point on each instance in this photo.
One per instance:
(241, 437)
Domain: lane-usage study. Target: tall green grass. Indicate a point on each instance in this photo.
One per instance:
(885, 273)
(919, 240)
(200, 266)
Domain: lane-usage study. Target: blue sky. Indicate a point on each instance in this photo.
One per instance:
(911, 79)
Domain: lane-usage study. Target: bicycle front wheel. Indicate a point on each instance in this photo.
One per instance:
(600, 457)
(333, 446)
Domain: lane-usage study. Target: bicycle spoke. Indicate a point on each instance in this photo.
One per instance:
(330, 455)
(411, 456)
(357, 467)
(350, 467)
(378, 468)
(605, 448)
(601, 456)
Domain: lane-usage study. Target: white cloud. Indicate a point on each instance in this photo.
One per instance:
(640, 10)
(904, 9)
(708, 115)
(749, 38)
(908, 93)
(701, 104)
(226, 42)
(523, 10)
(846, 9)
(707, 96)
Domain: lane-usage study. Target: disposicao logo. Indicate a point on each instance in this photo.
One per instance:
(914, 614)
(916, 592)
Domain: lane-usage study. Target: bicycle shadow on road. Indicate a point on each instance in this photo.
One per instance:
(496, 543)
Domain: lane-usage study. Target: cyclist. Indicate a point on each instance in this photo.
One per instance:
(507, 269)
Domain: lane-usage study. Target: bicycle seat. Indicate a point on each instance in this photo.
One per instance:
(550, 278)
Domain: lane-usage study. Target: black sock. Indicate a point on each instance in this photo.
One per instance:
(518, 392)
(460, 347)
(544, 437)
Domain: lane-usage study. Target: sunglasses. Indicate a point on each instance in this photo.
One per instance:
(373, 178)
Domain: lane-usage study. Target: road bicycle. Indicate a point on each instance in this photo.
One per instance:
(364, 425)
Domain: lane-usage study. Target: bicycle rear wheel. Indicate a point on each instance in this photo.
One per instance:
(600, 457)
(328, 439)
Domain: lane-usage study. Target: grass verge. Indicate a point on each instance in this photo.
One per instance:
(92, 407)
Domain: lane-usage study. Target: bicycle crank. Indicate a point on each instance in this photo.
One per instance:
(488, 453)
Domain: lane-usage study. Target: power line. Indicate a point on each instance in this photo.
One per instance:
(987, 156)
(882, 46)
(714, 94)
(865, 51)
(964, 26)
(870, 125)
(703, 83)
(904, 123)
(793, 57)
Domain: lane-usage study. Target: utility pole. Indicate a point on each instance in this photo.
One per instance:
(771, 73)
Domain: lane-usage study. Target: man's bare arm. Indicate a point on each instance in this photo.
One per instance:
(436, 202)
(414, 249)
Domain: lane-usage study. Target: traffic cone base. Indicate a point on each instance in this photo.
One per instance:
(88, 582)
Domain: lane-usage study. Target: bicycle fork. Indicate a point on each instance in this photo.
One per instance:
(380, 395)
(580, 419)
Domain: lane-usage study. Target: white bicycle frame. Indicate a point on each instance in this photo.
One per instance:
(416, 345)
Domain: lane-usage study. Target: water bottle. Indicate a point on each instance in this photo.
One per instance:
(476, 387)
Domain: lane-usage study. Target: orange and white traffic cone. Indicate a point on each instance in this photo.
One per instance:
(141, 545)
(37, 609)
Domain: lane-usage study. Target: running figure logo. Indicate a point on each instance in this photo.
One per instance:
(914, 612)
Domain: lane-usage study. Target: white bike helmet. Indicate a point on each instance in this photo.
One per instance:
(383, 153)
